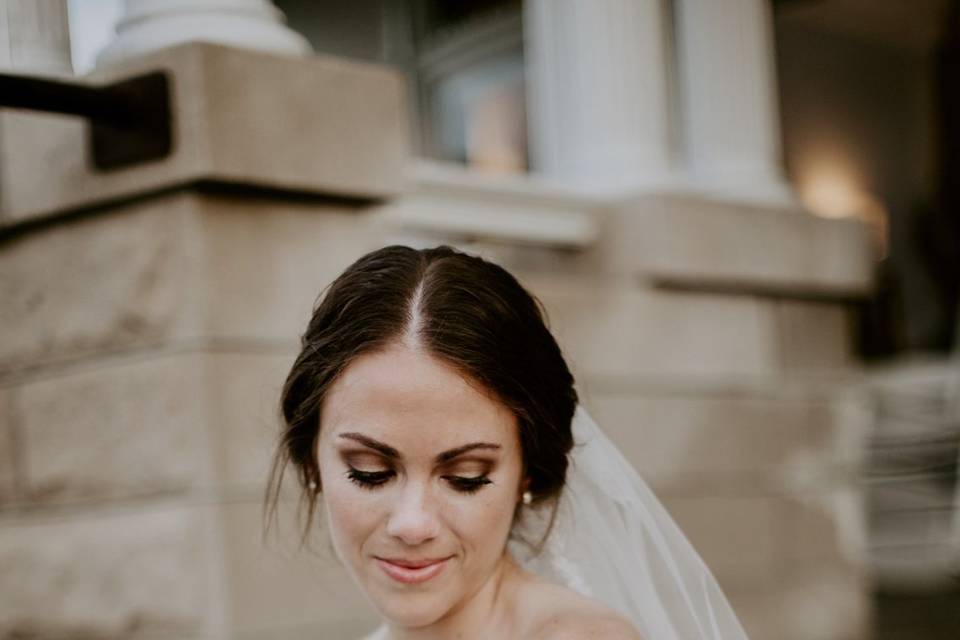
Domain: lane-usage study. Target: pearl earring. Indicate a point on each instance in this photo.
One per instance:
(313, 485)
(527, 497)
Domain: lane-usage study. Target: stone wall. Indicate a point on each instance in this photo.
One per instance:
(714, 343)
(150, 317)
(140, 389)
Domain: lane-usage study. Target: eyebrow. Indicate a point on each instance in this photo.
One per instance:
(392, 453)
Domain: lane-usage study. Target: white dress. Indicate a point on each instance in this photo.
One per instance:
(380, 633)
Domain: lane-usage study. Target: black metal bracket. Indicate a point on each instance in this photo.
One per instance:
(130, 122)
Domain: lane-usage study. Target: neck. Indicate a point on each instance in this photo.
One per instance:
(485, 614)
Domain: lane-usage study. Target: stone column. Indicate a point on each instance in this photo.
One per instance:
(728, 92)
(597, 77)
(148, 25)
(35, 36)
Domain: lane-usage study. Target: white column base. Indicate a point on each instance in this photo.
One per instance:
(749, 188)
(148, 25)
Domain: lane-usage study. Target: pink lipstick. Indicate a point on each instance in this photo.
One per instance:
(412, 572)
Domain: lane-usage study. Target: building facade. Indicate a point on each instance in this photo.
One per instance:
(628, 169)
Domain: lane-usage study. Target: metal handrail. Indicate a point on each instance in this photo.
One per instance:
(130, 121)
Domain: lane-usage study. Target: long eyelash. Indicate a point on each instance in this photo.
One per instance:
(368, 479)
(373, 479)
(468, 485)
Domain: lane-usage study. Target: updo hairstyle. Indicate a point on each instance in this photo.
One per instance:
(464, 310)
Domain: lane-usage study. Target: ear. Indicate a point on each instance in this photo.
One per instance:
(524, 486)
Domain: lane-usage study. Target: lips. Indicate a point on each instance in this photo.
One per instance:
(408, 571)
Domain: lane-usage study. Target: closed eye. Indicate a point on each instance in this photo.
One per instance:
(466, 484)
(373, 479)
(369, 479)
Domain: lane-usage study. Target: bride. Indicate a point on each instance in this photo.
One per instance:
(466, 491)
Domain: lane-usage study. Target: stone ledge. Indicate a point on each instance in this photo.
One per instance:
(684, 242)
(455, 204)
(670, 240)
(315, 125)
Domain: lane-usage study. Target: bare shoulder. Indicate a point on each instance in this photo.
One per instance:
(584, 626)
(558, 613)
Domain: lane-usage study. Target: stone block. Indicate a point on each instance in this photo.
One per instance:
(178, 268)
(615, 329)
(827, 527)
(120, 574)
(317, 125)
(696, 243)
(265, 263)
(8, 452)
(757, 482)
(830, 610)
(145, 425)
(825, 602)
(245, 414)
(814, 336)
(738, 537)
(760, 616)
(116, 429)
(97, 283)
(737, 440)
(278, 588)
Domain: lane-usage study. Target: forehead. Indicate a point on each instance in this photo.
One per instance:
(415, 402)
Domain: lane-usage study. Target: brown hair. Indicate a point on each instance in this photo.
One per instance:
(467, 311)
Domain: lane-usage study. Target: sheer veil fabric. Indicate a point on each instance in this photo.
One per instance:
(613, 540)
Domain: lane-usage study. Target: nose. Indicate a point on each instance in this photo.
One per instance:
(413, 518)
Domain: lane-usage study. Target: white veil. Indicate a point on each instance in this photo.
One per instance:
(612, 540)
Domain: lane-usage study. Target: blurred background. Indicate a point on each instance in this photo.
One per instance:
(742, 216)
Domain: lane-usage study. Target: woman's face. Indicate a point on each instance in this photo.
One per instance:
(421, 473)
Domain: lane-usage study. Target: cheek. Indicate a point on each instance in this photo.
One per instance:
(485, 518)
(351, 519)
(481, 521)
